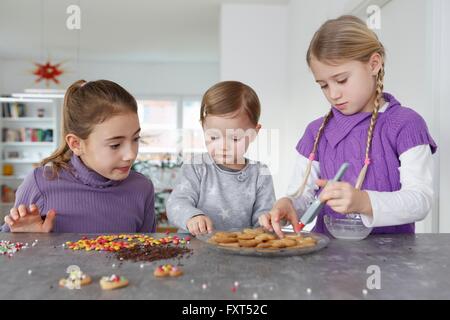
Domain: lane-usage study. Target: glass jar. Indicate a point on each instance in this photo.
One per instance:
(346, 227)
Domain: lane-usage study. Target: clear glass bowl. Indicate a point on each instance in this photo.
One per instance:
(347, 227)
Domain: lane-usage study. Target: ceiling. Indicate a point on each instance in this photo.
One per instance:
(114, 30)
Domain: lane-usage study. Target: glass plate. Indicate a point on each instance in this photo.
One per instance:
(322, 242)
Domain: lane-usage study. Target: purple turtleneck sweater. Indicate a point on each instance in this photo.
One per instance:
(87, 202)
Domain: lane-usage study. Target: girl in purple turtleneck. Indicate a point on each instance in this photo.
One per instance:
(388, 146)
(86, 185)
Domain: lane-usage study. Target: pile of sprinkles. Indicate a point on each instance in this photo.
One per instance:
(10, 248)
(135, 247)
(114, 243)
(150, 253)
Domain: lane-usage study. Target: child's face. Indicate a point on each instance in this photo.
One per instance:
(227, 137)
(351, 86)
(112, 146)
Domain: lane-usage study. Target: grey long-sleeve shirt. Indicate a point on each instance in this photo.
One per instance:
(231, 199)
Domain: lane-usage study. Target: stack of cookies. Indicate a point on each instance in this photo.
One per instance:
(259, 239)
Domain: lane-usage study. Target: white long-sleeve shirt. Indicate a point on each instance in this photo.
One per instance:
(410, 204)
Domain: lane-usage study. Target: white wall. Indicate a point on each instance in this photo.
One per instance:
(441, 14)
(409, 35)
(408, 38)
(254, 46)
(1, 75)
(265, 47)
(139, 78)
(306, 100)
(409, 32)
(253, 49)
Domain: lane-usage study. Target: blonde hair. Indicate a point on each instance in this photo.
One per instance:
(346, 38)
(230, 96)
(87, 104)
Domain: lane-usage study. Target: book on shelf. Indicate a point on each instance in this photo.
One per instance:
(27, 135)
(13, 110)
(8, 194)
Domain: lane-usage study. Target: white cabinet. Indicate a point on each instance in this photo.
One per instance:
(29, 133)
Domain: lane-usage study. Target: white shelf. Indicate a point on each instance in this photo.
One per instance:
(26, 100)
(27, 144)
(19, 161)
(24, 156)
(7, 204)
(12, 178)
(28, 119)
(40, 94)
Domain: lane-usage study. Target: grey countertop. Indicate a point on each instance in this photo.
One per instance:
(411, 267)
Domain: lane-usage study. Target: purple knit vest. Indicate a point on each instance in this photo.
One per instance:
(397, 130)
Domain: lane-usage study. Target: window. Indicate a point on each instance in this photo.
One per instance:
(192, 130)
(169, 126)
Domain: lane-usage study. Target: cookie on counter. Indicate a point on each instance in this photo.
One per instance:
(113, 282)
(167, 270)
(75, 280)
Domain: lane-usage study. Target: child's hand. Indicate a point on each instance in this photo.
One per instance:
(342, 197)
(282, 210)
(23, 219)
(200, 224)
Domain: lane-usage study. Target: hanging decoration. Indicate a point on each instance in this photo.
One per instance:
(48, 72)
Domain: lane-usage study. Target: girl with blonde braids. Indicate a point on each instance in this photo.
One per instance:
(388, 146)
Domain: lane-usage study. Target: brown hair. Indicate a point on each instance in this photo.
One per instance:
(343, 39)
(87, 104)
(230, 96)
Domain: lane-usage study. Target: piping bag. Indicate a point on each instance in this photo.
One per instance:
(317, 205)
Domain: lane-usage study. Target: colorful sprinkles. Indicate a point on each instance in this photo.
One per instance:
(114, 278)
(135, 247)
(114, 243)
(9, 248)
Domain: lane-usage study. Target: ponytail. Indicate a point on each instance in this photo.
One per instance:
(61, 156)
(87, 104)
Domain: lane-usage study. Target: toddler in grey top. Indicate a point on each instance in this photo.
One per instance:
(230, 198)
(221, 189)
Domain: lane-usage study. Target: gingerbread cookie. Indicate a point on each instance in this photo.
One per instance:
(293, 236)
(265, 237)
(167, 270)
(279, 244)
(289, 242)
(246, 236)
(113, 282)
(225, 237)
(255, 231)
(264, 245)
(222, 234)
(248, 243)
(306, 242)
(225, 240)
(232, 245)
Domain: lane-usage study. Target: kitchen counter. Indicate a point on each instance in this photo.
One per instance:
(410, 267)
